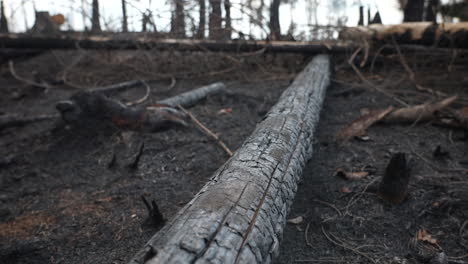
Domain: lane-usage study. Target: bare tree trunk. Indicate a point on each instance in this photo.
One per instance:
(3, 20)
(227, 20)
(361, 16)
(215, 27)
(413, 11)
(124, 18)
(95, 24)
(178, 19)
(275, 29)
(202, 19)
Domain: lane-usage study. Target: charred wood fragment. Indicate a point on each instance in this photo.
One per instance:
(155, 216)
(394, 185)
(12, 120)
(239, 215)
(89, 107)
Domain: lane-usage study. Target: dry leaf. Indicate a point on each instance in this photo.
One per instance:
(225, 111)
(296, 221)
(358, 127)
(351, 175)
(345, 189)
(423, 235)
(418, 113)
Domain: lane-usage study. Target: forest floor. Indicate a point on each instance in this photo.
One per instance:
(60, 202)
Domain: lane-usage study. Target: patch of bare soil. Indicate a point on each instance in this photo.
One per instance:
(345, 220)
(68, 195)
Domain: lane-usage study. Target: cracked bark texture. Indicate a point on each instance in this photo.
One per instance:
(239, 215)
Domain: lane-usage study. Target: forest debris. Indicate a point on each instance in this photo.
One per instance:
(418, 113)
(345, 189)
(42, 85)
(205, 130)
(134, 164)
(225, 111)
(296, 220)
(89, 106)
(423, 235)
(350, 175)
(358, 127)
(440, 154)
(155, 216)
(394, 185)
(410, 114)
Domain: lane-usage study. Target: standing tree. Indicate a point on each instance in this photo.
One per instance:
(275, 29)
(361, 16)
(201, 19)
(215, 29)
(178, 19)
(413, 10)
(431, 10)
(3, 20)
(124, 19)
(95, 24)
(227, 20)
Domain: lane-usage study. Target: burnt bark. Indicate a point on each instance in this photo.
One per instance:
(275, 29)
(201, 19)
(413, 11)
(3, 20)
(394, 185)
(215, 22)
(124, 17)
(239, 215)
(95, 23)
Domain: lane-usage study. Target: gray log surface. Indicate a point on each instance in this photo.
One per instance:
(190, 98)
(239, 215)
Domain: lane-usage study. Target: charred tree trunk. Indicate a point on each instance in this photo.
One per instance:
(431, 10)
(201, 19)
(239, 215)
(215, 27)
(413, 11)
(275, 29)
(3, 20)
(361, 16)
(178, 20)
(227, 19)
(124, 18)
(95, 24)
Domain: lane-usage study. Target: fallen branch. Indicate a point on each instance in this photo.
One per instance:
(239, 215)
(206, 130)
(192, 97)
(7, 121)
(25, 80)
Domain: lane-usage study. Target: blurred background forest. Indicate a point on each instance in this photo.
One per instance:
(225, 19)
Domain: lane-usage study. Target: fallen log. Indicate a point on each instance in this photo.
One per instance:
(421, 33)
(239, 215)
(91, 106)
(190, 98)
(25, 41)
